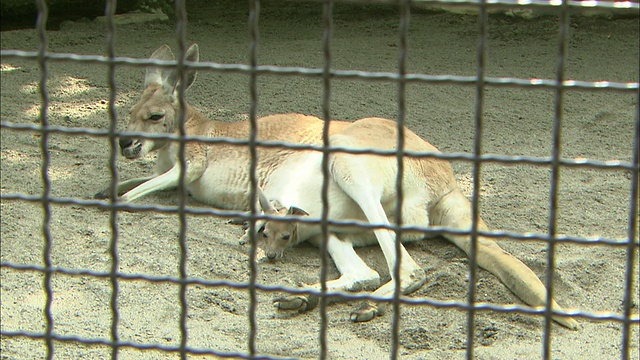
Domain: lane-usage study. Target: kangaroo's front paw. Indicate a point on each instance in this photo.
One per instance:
(367, 312)
(104, 194)
(245, 239)
(300, 303)
(238, 221)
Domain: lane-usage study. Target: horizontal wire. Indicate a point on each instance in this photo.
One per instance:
(438, 230)
(346, 74)
(414, 300)
(551, 4)
(494, 158)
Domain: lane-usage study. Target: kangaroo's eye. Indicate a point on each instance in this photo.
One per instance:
(286, 237)
(264, 235)
(156, 117)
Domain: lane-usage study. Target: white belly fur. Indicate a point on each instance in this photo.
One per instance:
(298, 182)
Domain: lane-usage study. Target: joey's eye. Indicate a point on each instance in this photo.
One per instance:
(156, 117)
(264, 235)
(286, 237)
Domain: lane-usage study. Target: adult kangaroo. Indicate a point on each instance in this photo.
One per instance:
(364, 185)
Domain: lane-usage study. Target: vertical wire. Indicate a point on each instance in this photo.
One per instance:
(326, 114)
(475, 198)
(181, 24)
(41, 23)
(254, 8)
(403, 30)
(110, 10)
(632, 233)
(555, 173)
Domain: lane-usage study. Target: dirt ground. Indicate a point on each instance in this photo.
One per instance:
(596, 125)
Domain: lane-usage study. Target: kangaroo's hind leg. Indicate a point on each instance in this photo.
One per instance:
(355, 276)
(454, 210)
(364, 178)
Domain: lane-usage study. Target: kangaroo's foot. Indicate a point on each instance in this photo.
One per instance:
(306, 302)
(300, 303)
(367, 311)
(370, 309)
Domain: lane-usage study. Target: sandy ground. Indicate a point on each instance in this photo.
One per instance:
(597, 125)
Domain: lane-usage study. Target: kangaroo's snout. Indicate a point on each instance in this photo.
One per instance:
(125, 142)
(129, 148)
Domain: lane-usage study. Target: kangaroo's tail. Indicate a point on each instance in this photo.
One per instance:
(454, 211)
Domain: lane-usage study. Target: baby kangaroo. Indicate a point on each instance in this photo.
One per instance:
(362, 187)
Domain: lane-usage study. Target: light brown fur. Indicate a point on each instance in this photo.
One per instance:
(362, 187)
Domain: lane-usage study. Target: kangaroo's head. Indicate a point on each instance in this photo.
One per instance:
(158, 108)
(276, 235)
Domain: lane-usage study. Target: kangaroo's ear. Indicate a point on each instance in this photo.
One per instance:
(163, 53)
(192, 55)
(297, 211)
(155, 74)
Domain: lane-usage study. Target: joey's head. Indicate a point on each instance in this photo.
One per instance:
(276, 235)
(158, 108)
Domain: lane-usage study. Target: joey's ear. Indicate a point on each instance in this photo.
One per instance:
(297, 211)
(192, 55)
(266, 206)
(277, 205)
(154, 74)
(294, 234)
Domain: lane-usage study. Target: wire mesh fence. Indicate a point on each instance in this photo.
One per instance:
(559, 85)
